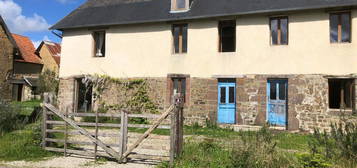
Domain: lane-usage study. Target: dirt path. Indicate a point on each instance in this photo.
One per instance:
(76, 162)
(156, 146)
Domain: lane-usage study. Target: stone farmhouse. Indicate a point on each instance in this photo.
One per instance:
(291, 63)
(50, 54)
(21, 65)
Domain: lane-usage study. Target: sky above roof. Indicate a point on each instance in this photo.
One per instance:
(32, 18)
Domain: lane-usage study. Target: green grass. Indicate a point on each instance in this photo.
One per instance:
(27, 107)
(23, 145)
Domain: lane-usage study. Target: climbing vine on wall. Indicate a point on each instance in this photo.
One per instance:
(132, 94)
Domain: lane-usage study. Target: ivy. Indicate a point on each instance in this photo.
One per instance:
(134, 93)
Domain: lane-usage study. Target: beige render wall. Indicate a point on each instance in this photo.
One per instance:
(146, 50)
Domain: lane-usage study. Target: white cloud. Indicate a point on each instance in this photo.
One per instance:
(17, 22)
(37, 43)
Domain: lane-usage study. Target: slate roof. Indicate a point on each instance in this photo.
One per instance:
(95, 13)
(53, 48)
(27, 50)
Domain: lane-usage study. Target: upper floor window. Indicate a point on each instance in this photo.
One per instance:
(178, 5)
(179, 33)
(227, 36)
(279, 30)
(99, 43)
(340, 27)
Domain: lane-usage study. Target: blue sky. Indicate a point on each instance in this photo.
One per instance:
(33, 17)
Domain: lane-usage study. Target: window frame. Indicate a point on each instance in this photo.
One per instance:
(279, 31)
(342, 81)
(95, 43)
(181, 38)
(176, 9)
(222, 24)
(339, 26)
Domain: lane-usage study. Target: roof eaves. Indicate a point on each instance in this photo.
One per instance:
(54, 27)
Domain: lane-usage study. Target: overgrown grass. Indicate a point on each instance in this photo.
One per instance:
(235, 149)
(23, 145)
(26, 108)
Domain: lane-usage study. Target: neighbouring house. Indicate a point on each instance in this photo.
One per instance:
(50, 53)
(291, 63)
(27, 67)
(7, 52)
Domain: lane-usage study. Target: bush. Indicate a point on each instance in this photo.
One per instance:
(340, 145)
(48, 82)
(313, 161)
(9, 118)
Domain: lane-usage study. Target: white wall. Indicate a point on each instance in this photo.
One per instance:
(146, 50)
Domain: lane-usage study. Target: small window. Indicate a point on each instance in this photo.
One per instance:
(341, 93)
(273, 91)
(223, 95)
(231, 94)
(282, 91)
(177, 5)
(279, 30)
(84, 96)
(99, 43)
(340, 27)
(179, 33)
(227, 36)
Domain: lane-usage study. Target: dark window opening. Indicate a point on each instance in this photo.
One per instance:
(223, 95)
(179, 86)
(231, 94)
(84, 96)
(282, 91)
(179, 33)
(273, 91)
(340, 27)
(227, 36)
(279, 30)
(341, 93)
(99, 43)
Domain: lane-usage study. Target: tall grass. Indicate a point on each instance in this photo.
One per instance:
(9, 118)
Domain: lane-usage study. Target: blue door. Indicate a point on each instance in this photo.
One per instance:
(277, 102)
(226, 103)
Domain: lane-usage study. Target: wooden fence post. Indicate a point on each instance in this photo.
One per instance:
(123, 134)
(66, 135)
(44, 120)
(176, 139)
(96, 134)
(48, 98)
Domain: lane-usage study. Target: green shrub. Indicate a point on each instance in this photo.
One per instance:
(9, 118)
(48, 82)
(340, 145)
(313, 161)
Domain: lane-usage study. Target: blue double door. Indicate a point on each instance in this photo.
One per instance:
(277, 90)
(226, 102)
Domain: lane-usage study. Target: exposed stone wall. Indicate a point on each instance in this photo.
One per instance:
(66, 94)
(6, 65)
(307, 99)
(203, 101)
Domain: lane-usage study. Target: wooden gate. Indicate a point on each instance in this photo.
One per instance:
(55, 121)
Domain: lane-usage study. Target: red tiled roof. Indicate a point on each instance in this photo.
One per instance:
(27, 50)
(55, 50)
